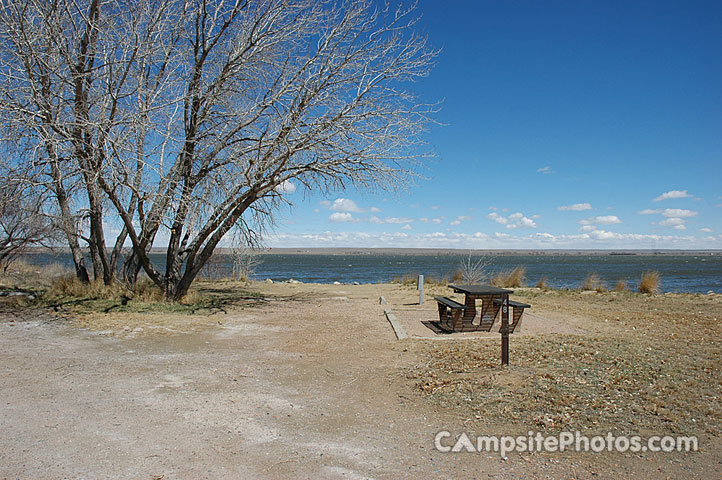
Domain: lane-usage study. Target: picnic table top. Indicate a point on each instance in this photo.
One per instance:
(479, 289)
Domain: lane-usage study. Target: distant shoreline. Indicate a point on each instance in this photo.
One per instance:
(474, 252)
(444, 251)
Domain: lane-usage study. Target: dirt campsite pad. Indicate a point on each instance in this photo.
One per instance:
(310, 382)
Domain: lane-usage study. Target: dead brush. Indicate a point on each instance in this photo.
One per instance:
(594, 282)
(437, 280)
(542, 284)
(147, 291)
(649, 283)
(144, 291)
(621, 285)
(510, 279)
(70, 286)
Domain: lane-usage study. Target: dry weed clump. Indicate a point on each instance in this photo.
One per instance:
(70, 286)
(621, 285)
(593, 282)
(542, 283)
(430, 280)
(650, 282)
(21, 273)
(510, 279)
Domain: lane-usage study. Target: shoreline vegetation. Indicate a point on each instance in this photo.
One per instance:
(54, 287)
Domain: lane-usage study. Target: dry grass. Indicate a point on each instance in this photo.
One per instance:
(70, 286)
(430, 280)
(510, 279)
(23, 275)
(621, 285)
(542, 283)
(635, 377)
(69, 294)
(593, 282)
(650, 282)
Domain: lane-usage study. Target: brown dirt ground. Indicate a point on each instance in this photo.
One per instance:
(311, 383)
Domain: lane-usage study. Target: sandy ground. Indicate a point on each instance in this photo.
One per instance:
(307, 385)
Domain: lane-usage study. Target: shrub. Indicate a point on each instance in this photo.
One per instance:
(621, 285)
(508, 279)
(593, 282)
(649, 282)
(69, 286)
(542, 283)
(441, 280)
(407, 279)
(473, 271)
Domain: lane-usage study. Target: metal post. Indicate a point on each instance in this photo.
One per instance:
(420, 287)
(504, 330)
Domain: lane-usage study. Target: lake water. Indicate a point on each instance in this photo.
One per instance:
(683, 273)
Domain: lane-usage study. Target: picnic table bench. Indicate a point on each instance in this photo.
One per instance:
(450, 313)
(517, 309)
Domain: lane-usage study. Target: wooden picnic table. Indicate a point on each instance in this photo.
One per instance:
(489, 309)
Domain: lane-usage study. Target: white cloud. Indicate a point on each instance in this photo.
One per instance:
(325, 203)
(675, 217)
(678, 212)
(705, 230)
(677, 223)
(545, 170)
(286, 186)
(435, 207)
(577, 207)
(672, 194)
(515, 220)
(459, 219)
(376, 220)
(406, 227)
(340, 217)
(437, 220)
(398, 220)
(601, 220)
(497, 218)
(424, 220)
(374, 210)
(345, 205)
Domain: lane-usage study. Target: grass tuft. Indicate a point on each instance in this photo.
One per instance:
(542, 283)
(593, 282)
(510, 279)
(650, 282)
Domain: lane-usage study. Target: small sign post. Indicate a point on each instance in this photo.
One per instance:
(504, 330)
(420, 288)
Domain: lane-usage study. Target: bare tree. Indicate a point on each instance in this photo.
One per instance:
(474, 271)
(188, 117)
(244, 258)
(23, 223)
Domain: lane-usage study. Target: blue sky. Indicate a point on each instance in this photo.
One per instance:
(566, 125)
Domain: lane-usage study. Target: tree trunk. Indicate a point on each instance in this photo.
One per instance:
(66, 218)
